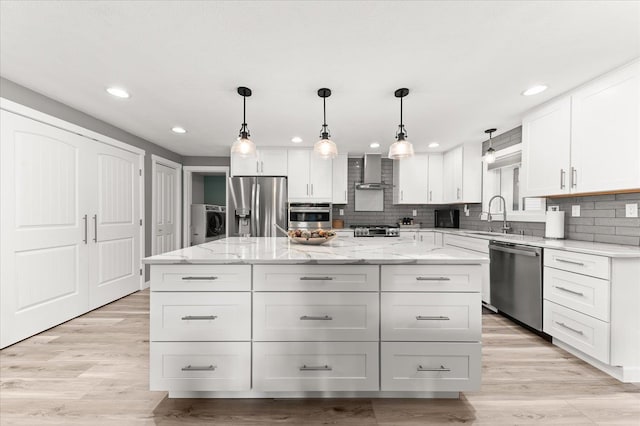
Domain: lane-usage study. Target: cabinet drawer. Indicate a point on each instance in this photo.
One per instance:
(315, 316)
(316, 278)
(448, 278)
(586, 264)
(581, 331)
(200, 277)
(200, 366)
(469, 243)
(584, 294)
(413, 366)
(431, 316)
(315, 366)
(200, 316)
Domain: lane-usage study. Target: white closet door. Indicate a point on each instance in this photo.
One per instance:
(43, 266)
(165, 198)
(114, 262)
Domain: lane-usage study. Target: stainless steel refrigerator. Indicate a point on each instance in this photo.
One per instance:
(256, 206)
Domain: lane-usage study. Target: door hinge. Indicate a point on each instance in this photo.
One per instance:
(140, 222)
(141, 271)
(140, 172)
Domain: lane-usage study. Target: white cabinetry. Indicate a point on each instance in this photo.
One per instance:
(267, 162)
(70, 225)
(340, 179)
(587, 140)
(475, 245)
(436, 178)
(310, 177)
(462, 174)
(410, 180)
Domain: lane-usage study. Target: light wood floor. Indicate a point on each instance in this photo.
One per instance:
(93, 370)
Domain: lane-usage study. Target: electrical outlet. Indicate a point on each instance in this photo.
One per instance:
(631, 210)
(415, 213)
(575, 211)
(341, 212)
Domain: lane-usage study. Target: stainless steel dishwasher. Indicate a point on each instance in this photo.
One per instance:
(516, 281)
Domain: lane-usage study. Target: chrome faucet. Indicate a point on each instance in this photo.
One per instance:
(505, 225)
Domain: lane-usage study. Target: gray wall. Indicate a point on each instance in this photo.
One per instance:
(31, 99)
(206, 161)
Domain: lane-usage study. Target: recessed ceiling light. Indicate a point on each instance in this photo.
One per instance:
(178, 129)
(534, 90)
(374, 145)
(118, 92)
(296, 139)
(434, 145)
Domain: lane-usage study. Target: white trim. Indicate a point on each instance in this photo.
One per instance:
(33, 114)
(155, 160)
(253, 394)
(187, 197)
(143, 226)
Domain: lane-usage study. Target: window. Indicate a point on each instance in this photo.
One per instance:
(503, 178)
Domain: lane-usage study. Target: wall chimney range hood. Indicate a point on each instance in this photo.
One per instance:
(372, 173)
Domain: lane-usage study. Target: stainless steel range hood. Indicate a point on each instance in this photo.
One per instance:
(372, 173)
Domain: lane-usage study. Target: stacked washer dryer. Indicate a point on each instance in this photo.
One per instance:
(208, 223)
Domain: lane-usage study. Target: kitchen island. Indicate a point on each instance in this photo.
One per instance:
(265, 317)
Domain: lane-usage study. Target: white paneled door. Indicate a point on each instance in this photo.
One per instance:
(44, 227)
(165, 207)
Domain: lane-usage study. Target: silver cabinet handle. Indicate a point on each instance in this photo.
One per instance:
(573, 262)
(457, 193)
(562, 178)
(430, 195)
(561, 324)
(433, 279)
(442, 368)
(199, 278)
(312, 318)
(199, 368)
(257, 167)
(401, 195)
(577, 293)
(574, 177)
(345, 195)
(85, 228)
(199, 317)
(433, 318)
(315, 368)
(307, 189)
(316, 278)
(95, 228)
(312, 189)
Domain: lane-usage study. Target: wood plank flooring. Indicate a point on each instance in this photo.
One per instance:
(93, 370)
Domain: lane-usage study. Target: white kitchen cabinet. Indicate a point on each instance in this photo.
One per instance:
(71, 229)
(587, 140)
(266, 162)
(310, 177)
(410, 180)
(340, 179)
(462, 174)
(436, 178)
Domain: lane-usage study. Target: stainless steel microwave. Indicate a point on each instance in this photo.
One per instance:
(310, 216)
(449, 218)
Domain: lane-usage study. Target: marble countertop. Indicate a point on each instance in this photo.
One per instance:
(342, 250)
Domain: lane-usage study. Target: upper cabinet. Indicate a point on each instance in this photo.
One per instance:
(462, 174)
(435, 181)
(587, 140)
(310, 177)
(267, 162)
(410, 179)
(340, 179)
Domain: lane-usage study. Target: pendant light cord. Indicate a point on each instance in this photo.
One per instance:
(244, 111)
(401, 126)
(324, 111)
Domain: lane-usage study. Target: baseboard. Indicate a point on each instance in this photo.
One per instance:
(623, 374)
(146, 285)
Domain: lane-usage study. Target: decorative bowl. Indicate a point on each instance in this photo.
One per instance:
(312, 241)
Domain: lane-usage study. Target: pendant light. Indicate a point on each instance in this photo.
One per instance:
(490, 156)
(401, 148)
(243, 147)
(325, 147)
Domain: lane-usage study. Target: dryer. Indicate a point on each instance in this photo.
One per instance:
(208, 223)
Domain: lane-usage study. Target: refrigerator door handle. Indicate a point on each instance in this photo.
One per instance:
(252, 212)
(257, 231)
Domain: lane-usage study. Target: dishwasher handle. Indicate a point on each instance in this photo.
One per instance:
(514, 250)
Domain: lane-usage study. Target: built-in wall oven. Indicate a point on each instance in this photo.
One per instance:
(310, 216)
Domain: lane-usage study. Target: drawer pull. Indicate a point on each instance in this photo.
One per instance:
(316, 278)
(442, 368)
(569, 291)
(312, 318)
(427, 318)
(433, 278)
(573, 262)
(315, 368)
(201, 368)
(199, 278)
(561, 324)
(199, 317)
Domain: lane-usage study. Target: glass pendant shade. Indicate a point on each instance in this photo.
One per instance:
(400, 149)
(490, 156)
(243, 147)
(325, 148)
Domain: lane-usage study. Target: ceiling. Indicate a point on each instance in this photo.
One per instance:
(465, 63)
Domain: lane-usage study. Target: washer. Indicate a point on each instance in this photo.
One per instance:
(208, 223)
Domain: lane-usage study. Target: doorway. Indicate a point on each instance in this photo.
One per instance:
(166, 211)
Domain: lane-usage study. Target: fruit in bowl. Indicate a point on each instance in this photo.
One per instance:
(304, 236)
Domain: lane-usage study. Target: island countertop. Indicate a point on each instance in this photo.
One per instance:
(279, 250)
